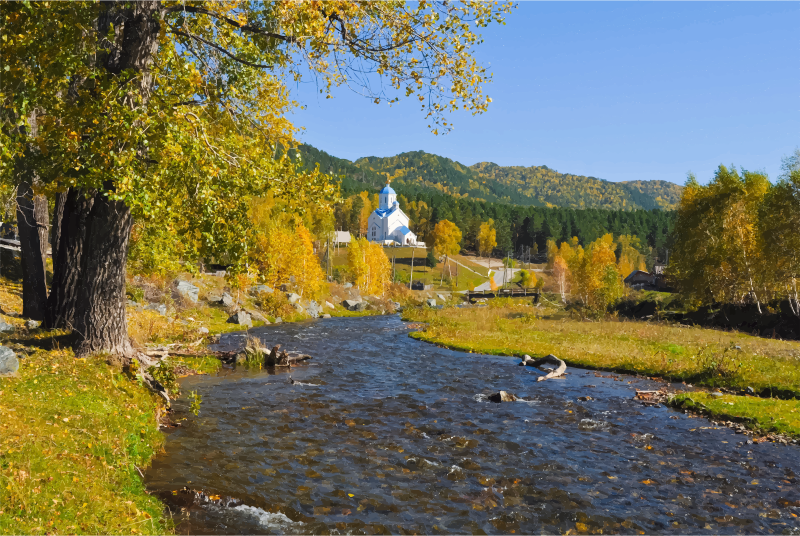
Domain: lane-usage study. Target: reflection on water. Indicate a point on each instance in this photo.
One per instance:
(385, 434)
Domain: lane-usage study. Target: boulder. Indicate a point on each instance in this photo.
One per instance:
(6, 327)
(160, 308)
(241, 318)
(292, 297)
(258, 317)
(227, 300)
(361, 306)
(279, 320)
(298, 307)
(350, 305)
(502, 396)
(328, 304)
(326, 315)
(313, 309)
(214, 297)
(430, 302)
(348, 285)
(187, 290)
(258, 289)
(8, 361)
(202, 330)
(32, 324)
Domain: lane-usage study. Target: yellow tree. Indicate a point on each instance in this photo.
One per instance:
(780, 233)
(446, 241)
(717, 252)
(629, 257)
(369, 266)
(561, 274)
(282, 253)
(487, 240)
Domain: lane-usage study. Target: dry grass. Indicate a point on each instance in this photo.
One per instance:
(694, 355)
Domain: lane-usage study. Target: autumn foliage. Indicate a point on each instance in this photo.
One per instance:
(369, 266)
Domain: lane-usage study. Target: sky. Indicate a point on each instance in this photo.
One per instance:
(614, 90)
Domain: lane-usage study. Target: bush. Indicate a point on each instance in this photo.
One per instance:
(134, 293)
(430, 259)
(341, 275)
(274, 304)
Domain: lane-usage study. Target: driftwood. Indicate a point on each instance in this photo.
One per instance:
(551, 359)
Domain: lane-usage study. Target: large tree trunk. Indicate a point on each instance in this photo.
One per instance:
(32, 220)
(100, 315)
(68, 262)
(55, 228)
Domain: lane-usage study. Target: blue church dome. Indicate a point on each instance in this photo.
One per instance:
(388, 190)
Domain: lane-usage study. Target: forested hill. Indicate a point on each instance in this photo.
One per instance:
(527, 186)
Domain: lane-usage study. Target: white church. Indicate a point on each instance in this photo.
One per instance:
(388, 224)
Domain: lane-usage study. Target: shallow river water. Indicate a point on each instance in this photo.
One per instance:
(385, 434)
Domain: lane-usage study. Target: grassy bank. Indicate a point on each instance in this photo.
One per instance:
(72, 435)
(75, 433)
(702, 357)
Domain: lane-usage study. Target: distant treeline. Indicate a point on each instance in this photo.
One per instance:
(517, 226)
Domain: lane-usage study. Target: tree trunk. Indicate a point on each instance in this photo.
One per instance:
(55, 228)
(100, 314)
(32, 219)
(68, 262)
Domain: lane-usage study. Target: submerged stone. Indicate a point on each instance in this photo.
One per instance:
(502, 396)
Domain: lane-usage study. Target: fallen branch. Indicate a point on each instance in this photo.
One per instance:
(551, 359)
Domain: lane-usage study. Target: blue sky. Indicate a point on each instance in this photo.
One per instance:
(619, 91)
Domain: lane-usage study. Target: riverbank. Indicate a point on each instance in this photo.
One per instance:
(77, 434)
(733, 362)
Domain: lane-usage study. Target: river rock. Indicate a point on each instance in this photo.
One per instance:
(160, 308)
(328, 304)
(241, 318)
(430, 302)
(313, 309)
(6, 327)
(9, 363)
(255, 315)
(279, 320)
(258, 289)
(32, 324)
(326, 315)
(188, 290)
(350, 305)
(293, 297)
(502, 396)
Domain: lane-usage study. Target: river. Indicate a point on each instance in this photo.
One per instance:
(381, 433)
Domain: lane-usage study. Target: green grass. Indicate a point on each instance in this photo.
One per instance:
(403, 258)
(72, 434)
(762, 414)
(696, 356)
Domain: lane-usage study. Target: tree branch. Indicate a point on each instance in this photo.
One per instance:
(232, 22)
(219, 48)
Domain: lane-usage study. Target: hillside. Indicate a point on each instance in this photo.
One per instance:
(517, 185)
